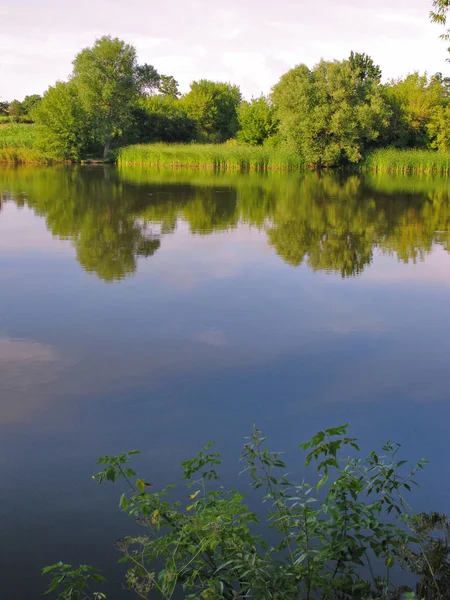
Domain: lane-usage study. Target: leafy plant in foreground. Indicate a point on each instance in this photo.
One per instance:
(333, 540)
(73, 583)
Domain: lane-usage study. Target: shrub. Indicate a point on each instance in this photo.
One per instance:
(337, 538)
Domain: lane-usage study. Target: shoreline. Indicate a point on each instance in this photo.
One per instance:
(244, 159)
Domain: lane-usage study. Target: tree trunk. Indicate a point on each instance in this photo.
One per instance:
(106, 148)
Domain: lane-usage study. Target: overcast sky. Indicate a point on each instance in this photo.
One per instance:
(248, 42)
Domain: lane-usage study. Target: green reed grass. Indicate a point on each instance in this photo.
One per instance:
(407, 161)
(17, 135)
(213, 156)
(18, 145)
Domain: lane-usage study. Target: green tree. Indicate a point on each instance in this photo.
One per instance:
(333, 113)
(213, 106)
(168, 86)
(439, 15)
(414, 101)
(16, 109)
(257, 121)
(30, 103)
(163, 118)
(109, 82)
(439, 129)
(64, 125)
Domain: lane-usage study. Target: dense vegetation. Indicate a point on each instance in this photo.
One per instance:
(333, 114)
(328, 222)
(216, 156)
(340, 537)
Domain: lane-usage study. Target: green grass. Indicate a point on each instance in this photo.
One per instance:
(18, 145)
(407, 161)
(212, 156)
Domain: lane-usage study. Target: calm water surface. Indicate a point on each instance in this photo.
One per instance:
(162, 310)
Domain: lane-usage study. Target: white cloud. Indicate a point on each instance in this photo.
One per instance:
(195, 39)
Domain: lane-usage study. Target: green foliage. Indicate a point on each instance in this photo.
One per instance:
(416, 101)
(431, 563)
(408, 161)
(332, 543)
(30, 103)
(16, 109)
(74, 583)
(213, 106)
(109, 82)
(18, 144)
(439, 14)
(163, 118)
(213, 156)
(17, 135)
(333, 113)
(438, 128)
(257, 121)
(325, 221)
(65, 127)
(168, 86)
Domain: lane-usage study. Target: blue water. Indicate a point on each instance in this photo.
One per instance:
(139, 310)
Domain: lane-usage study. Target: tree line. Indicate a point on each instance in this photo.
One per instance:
(331, 114)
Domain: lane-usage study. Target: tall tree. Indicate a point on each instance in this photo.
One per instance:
(414, 101)
(213, 106)
(30, 103)
(64, 125)
(333, 113)
(109, 81)
(168, 86)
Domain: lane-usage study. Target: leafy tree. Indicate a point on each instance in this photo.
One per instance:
(333, 113)
(363, 67)
(16, 109)
(438, 128)
(64, 124)
(30, 103)
(257, 121)
(109, 82)
(213, 106)
(4, 108)
(163, 118)
(439, 15)
(168, 86)
(414, 101)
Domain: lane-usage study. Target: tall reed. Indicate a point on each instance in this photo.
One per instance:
(213, 156)
(407, 161)
(18, 145)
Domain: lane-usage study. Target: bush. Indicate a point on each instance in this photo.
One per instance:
(337, 538)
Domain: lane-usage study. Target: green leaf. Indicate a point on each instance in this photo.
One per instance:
(123, 503)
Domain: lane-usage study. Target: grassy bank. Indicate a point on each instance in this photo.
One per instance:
(212, 156)
(390, 160)
(18, 145)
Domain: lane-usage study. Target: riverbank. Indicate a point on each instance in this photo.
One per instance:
(258, 158)
(18, 146)
(231, 157)
(391, 160)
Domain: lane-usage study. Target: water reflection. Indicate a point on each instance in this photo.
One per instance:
(328, 221)
(219, 327)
